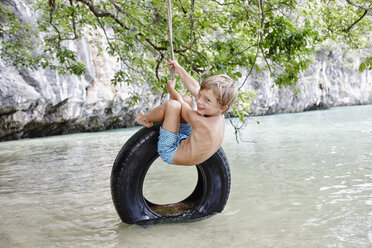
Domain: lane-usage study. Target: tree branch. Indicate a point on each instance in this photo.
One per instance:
(134, 18)
(100, 13)
(158, 63)
(359, 6)
(108, 40)
(260, 32)
(208, 65)
(73, 20)
(231, 3)
(200, 73)
(152, 46)
(352, 25)
(259, 39)
(254, 62)
(183, 9)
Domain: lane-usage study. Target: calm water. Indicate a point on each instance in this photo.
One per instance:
(301, 180)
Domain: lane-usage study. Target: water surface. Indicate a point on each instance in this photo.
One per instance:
(300, 180)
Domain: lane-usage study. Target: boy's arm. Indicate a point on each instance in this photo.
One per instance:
(186, 111)
(190, 83)
(188, 114)
(173, 93)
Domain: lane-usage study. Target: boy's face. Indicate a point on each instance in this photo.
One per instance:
(207, 103)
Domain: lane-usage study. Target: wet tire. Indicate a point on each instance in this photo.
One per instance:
(128, 173)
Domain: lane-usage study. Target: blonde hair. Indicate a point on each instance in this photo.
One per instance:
(223, 88)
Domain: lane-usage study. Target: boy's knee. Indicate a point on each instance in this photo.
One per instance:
(173, 105)
(187, 99)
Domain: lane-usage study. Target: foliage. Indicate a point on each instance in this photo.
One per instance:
(243, 104)
(19, 46)
(366, 65)
(210, 36)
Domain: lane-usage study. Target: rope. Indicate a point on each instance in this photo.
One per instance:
(170, 34)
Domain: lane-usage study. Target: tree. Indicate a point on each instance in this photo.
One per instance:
(210, 36)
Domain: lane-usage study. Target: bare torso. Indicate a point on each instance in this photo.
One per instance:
(205, 139)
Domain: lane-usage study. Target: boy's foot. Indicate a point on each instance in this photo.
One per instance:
(141, 119)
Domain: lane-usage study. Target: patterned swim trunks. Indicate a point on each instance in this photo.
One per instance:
(168, 142)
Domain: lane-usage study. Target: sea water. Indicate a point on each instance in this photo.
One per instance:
(298, 180)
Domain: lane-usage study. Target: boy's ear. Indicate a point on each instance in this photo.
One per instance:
(224, 108)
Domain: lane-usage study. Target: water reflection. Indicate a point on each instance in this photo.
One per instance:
(305, 180)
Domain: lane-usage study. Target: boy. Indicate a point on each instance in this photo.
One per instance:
(187, 136)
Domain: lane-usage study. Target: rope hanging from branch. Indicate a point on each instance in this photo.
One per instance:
(170, 35)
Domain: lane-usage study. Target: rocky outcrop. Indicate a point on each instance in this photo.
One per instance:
(41, 103)
(332, 80)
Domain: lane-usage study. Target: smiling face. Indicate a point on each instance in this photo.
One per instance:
(207, 103)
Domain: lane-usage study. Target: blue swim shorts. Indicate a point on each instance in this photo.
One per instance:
(168, 142)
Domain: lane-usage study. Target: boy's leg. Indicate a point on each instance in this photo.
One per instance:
(169, 113)
(155, 115)
(168, 134)
(172, 116)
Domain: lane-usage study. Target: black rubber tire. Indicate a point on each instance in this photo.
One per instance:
(129, 170)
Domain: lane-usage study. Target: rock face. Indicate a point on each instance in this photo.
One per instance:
(332, 80)
(41, 103)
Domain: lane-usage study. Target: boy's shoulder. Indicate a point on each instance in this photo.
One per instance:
(210, 122)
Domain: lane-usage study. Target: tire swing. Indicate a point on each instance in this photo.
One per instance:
(130, 168)
(134, 160)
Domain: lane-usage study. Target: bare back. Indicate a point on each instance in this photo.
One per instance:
(205, 139)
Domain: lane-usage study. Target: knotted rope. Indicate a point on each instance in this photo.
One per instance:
(170, 35)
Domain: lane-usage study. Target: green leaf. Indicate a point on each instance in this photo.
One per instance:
(142, 38)
(238, 74)
(362, 67)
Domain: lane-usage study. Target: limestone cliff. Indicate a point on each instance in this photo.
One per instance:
(42, 102)
(332, 79)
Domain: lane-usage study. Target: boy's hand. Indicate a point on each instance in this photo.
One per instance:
(188, 81)
(173, 93)
(171, 84)
(173, 65)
